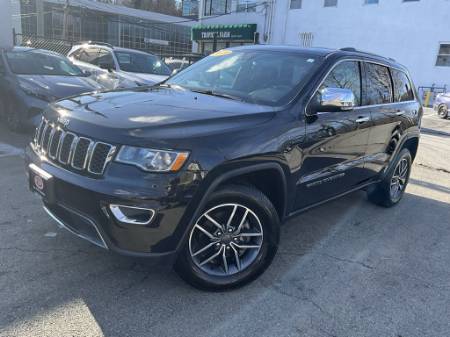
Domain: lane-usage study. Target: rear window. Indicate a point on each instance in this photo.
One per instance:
(403, 91)
(378, 85)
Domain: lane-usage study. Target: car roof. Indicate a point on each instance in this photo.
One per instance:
(325, 52)
(111, 47)
(21, 49)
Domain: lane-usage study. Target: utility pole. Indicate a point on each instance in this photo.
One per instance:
(65, 19)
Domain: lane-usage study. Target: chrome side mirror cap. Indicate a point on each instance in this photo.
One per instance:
(337, 99)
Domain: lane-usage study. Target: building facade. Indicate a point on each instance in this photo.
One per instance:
(86, 20)
(414, 32)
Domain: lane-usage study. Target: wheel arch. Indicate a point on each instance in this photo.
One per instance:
(238, 175)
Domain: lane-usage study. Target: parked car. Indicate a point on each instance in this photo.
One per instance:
(31, 78)
(442, 104)
(119, 67)
(206, 166)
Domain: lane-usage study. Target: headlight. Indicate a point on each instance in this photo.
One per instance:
(29, 88)
(152, 160)
(36, 90)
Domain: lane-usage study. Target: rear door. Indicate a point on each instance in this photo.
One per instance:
(336, 143)
(389, 96)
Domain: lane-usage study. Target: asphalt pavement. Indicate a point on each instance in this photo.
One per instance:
(347, 268)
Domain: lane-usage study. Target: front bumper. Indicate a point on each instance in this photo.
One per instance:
(81, 205)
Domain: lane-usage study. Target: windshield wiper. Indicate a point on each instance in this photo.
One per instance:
(217, 94)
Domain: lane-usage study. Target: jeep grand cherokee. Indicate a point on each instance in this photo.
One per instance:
(206, 166)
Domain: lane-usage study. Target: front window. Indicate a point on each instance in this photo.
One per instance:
(37, 62)
(142, 63)
(262, 77)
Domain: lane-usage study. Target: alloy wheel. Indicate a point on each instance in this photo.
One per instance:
(443, 112)
(226, 239)
(399, 179)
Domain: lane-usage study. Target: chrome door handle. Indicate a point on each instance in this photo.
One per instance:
(362, 120)
(400, 112)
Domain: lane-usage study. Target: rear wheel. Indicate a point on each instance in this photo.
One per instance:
(443, 112)
(232, 242)
(391, 189)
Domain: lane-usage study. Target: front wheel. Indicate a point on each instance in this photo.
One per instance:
(232, 242)
(443, 112)
(391, 189)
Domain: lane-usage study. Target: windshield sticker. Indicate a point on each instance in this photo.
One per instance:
(310, 60)
(222, 52)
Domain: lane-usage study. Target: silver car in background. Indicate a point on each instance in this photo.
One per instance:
(442, 104)
(115, 67)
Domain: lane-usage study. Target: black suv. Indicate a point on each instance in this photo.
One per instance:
(206, 166)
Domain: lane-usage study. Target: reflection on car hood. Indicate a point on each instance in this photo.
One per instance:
(157, 113)
(61, 86)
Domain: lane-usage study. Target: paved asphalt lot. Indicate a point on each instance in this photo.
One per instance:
(344, 269)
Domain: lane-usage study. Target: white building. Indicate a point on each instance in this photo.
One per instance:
(414, 32)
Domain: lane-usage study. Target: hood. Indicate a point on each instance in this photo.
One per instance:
(155, 113)
(56, 87)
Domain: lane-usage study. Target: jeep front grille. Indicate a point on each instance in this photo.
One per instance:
(67, 149)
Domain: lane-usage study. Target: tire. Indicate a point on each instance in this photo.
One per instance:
(255, 223)
(391, 189)
(13, 117)
(443, 112)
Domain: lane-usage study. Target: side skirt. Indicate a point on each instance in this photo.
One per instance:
(360, 187)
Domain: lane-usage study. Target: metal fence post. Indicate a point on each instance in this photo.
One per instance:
(14, 37)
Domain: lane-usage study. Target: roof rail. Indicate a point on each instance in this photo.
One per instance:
(96, 42)
(351, 49)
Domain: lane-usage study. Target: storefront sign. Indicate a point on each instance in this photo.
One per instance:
(224, 32)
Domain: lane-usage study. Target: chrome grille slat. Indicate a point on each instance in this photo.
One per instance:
(72, 151)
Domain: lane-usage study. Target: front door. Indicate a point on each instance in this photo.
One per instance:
(336, 143)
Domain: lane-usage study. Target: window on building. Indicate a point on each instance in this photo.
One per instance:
(346, 75)
(296, 4)
(246, 6)
(217, 7)
(330, 3)
(378, 89)
(403, 91)
(443, 58)
(371, 2)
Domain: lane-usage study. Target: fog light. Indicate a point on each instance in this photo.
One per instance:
(132, 215)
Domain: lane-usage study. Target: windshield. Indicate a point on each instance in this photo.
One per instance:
(142, 63)
(263, 77)
(37, 62)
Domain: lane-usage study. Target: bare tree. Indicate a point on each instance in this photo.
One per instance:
(170, 7)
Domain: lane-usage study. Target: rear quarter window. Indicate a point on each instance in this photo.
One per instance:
(403, 90)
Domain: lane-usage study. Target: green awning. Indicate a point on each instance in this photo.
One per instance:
(244, 32)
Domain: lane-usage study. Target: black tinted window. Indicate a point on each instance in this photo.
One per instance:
(345, 75)
(378, 85)
(403, 91)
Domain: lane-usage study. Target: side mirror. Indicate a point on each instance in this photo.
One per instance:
(336, 99)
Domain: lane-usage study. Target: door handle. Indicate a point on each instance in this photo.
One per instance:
(400, 112)
(361, 120)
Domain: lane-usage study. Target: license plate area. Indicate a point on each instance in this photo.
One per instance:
(42, 183)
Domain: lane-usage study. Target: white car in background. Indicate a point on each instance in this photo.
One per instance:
(115, 67)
